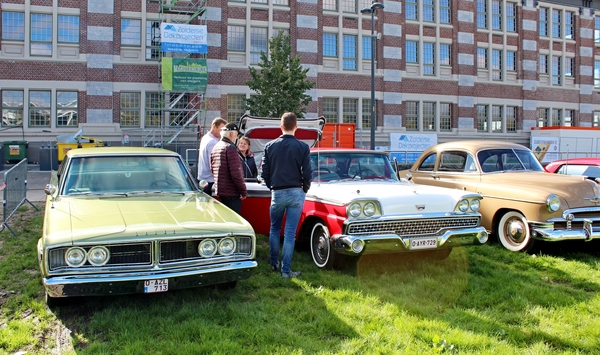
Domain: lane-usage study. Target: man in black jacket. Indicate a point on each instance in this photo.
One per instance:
(286, 171)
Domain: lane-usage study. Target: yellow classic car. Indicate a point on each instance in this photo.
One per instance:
(521, 202)
(133, 220)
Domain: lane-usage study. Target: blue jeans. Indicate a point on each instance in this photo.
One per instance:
(290, 203)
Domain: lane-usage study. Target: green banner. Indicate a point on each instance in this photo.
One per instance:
(184, 74)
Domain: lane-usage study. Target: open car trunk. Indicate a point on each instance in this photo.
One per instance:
(262, 130)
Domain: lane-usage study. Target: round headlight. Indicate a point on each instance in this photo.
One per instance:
(354, 210)
(207, 248)
(75, 257)
(226, 246)
(357, 246)
(463, 205)
(553, 203)
(475, 204)
(369, 209)
(98, 256)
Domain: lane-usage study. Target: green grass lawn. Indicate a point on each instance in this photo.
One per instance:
(481, 300)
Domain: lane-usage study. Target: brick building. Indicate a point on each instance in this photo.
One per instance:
(490, 69)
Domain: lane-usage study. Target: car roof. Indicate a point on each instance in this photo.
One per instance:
(476, 145)
(111, 151)
(582, 161)
(347, 150)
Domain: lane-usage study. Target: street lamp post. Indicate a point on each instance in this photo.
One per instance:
(372, 10)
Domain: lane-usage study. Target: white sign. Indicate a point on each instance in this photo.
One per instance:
(545, 148)
(184, 38)
(412, 142)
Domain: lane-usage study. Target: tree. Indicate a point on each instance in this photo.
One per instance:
(281, 84)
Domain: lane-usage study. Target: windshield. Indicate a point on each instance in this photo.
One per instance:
(125, 175)
(332, 166)
(507, 159)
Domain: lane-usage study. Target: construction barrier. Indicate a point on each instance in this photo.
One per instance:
(14, 190)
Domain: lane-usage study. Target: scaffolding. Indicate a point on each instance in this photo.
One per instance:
(178, 114)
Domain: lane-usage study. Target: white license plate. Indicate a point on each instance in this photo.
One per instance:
(423, 243)
(152, 286)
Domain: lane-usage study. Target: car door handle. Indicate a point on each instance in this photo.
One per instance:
(435, 177)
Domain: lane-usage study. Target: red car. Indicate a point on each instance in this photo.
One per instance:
(589, 167)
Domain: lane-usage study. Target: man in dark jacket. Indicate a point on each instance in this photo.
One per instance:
(227, 168)
(286, 171)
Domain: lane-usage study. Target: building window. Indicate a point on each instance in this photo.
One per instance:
(13, 26)
(153, 40)
(569, 66)
(329, 45)
(349, 6)
(511, 17)
(236, 106)
(596, 119)
(412, 52)
(429, 123)
(330, 109)
(41, 35)
(481, 13)
(597, 29)
(511, 119)
(367, 50)
(428, 58)
(428, 11)
(482, 62)
(543, 22)
(236, 38)
(556, 23)
(258, 43)
(569, 25)
(12, 108)
(131, 32)
(412, 116)
(68, 29)
(366, 113)
(555, 117)
(350, 52)
(556, 70)
(67, 109)
(444, 11)
(281, 2)
(482, 123)
(445, 117)
(330, 5)
(496, 64)
(496, 119)
(350, 111)
(152, 111)
(445, 54)
(130, 109)
(39, 108)
(543, 119)
(511, 60)
(411, 10)
(569, 118)
(597, 74)
(543, 64)
(496, 15)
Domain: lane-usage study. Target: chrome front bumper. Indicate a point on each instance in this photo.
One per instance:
(393, 243)
(133, 282)
(546, 232)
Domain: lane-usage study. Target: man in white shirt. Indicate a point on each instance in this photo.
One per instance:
(208, 142)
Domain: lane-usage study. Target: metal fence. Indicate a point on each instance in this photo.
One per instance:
(14, 190)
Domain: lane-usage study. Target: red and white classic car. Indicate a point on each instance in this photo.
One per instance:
(356, 205)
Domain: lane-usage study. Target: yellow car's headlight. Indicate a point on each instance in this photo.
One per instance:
(98, 256)
(75, 257)
(207, 248)
(226, 246)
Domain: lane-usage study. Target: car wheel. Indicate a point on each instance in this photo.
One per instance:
(322, 253)
(513, 232)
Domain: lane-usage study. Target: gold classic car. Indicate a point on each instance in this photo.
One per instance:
(522, 202)
(132, 220)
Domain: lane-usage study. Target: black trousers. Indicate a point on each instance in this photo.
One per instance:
(233, 202)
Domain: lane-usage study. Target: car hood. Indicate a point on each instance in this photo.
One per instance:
(395, 197)
(120, 218)
(536, 186)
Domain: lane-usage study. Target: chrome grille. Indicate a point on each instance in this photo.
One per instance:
(120, 255)
(413, 226)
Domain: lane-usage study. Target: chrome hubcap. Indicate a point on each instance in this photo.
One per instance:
(515, 230)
